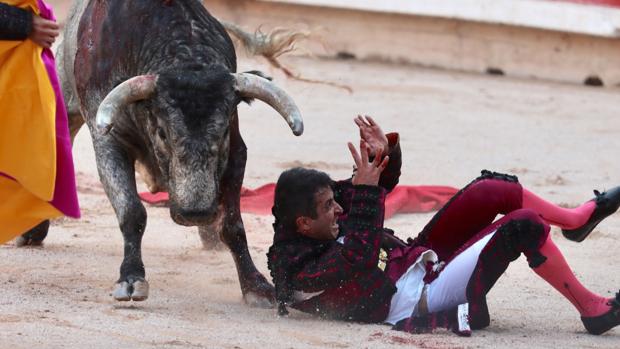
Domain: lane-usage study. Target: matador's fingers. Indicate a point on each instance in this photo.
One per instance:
(370, 120)
(364, 150)
(378, 157)
(354, 154)
(384, 163)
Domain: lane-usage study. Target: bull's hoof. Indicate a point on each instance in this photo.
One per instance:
(258, 301)
(258, 292)
(140, 291)
(137, 291)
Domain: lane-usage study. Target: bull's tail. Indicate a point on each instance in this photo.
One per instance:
(272, 45)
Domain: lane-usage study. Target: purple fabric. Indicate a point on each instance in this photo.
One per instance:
(65, 193)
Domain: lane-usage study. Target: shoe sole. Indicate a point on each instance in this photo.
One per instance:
(580, 238)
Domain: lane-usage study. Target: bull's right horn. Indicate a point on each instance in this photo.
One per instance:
(253, 86)
(131, 90)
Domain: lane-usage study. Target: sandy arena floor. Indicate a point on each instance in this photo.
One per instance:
(560, 140)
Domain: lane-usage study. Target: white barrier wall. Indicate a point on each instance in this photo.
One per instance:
(450, 40)
(552, 15)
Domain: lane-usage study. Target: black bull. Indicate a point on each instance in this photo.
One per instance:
(155, 82)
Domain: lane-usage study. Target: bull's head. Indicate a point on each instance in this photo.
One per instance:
(189, 115)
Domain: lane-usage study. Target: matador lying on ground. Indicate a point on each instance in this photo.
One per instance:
(332, 256)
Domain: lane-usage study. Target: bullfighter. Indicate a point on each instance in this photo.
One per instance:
(37, 180)
(333, 257)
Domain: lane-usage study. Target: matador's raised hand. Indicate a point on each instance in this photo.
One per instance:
(368, 172)
(372, 135)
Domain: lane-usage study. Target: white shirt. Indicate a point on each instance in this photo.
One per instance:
(409, 289)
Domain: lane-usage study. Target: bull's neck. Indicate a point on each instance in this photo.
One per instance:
(173, 36)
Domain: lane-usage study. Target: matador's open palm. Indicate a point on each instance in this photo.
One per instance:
(371, 133)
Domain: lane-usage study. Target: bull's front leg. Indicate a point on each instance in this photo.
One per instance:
(116, 171)
(257, 291)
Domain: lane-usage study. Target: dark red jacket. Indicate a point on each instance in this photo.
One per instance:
(352, 285)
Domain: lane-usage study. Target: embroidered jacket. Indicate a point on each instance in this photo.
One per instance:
(345, 276)
(352, 285)
(15, 23)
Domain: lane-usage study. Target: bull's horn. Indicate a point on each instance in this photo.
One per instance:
(253, 86)
(131, 90)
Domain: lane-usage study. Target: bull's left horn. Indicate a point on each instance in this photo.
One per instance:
(253, 86)
(131, 90)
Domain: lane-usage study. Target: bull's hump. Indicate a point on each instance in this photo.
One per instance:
(119, 38)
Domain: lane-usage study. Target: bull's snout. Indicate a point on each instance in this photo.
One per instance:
(194, 191)
(192, 216)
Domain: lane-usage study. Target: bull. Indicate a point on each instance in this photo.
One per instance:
(155, 82)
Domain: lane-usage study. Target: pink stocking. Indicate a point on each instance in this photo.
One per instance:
(565, 218)
(558, 274)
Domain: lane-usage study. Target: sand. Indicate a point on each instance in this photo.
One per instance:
(561, 140)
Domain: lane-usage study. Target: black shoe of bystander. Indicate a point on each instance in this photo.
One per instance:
(35, 236)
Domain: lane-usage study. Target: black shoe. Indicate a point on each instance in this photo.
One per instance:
(606, 204)
(603, 323)
(34, 236)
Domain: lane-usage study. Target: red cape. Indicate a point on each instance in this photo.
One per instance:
(403, 199)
